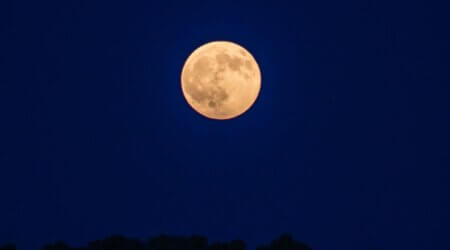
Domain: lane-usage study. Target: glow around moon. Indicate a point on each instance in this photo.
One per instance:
(221, 80)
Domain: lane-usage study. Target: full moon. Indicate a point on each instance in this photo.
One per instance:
(221, 80)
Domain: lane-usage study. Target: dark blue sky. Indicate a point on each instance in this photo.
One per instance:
(347, 147)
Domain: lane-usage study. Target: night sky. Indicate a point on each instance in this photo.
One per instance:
(347, 146)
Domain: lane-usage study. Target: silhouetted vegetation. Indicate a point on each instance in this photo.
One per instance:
(285, 242)
(8, 247)
(164, 242)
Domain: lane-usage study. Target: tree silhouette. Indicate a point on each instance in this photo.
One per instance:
(116, 242)
(56, 246)
(165, 242)
(285, 242)
(234, 245)
(8, 247)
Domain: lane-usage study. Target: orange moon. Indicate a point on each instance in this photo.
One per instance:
(221, 80)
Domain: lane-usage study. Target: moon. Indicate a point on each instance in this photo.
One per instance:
(221, 80)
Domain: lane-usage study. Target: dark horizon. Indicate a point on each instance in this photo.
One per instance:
(347, 144)
(168, 242)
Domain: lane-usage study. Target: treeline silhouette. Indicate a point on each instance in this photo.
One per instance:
(164, 242)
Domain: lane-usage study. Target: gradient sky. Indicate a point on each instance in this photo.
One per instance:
(347, 147)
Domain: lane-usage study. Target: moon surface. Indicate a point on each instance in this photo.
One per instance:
(221, 80)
